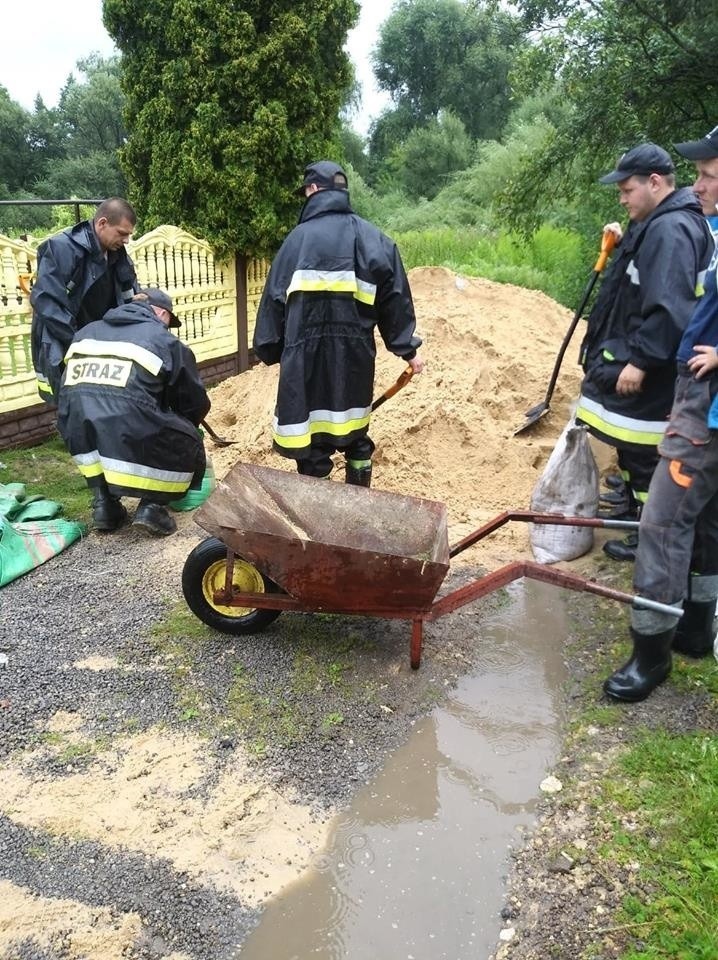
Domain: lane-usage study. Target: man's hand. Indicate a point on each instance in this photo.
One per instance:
(630, 380)
(616, 229)
(416, 364)
(706, 359)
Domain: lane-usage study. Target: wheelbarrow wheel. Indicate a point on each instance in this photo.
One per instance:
(205, 572)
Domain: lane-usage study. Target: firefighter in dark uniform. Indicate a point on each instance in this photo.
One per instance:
(643, 307)
(81, 274)
(335, 278)
(130, 405)
(677, 559)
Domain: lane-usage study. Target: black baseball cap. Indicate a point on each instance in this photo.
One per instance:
(158, 298)
(642, 160)
(326, 174)
(704, 149)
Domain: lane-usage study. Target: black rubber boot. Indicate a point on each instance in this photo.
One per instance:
(154, 519)
(694, 633)
(649, 665)
(614, 498)
(108, 513)
(359, 476)
(622, 549)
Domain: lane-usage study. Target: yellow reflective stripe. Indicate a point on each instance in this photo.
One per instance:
(646, 432)
(137, 476)
(90, 469)
(607, 355)
(44, 387)
(293, 438)
(126, 351)
(332, 281)
(700, 283)
(640, 495)
(146, 483)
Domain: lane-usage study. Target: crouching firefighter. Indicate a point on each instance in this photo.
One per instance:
(335, 278)
(130, 405)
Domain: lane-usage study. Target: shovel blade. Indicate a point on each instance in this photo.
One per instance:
(533, 416)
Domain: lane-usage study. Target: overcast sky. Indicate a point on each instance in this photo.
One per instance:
(43, 41)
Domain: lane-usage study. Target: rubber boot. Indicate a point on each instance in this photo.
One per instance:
(614, 498)
(108, 513)
(622, 549)
(153, 519)
(649, 665)
(615, 481)
(694, 633)
(358, 476)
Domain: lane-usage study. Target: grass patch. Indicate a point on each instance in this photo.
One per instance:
(260, 719)
(48, 469)
(667, 788)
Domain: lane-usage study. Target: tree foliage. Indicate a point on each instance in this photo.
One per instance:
(429, 157)
(631, 71)
(438, 55)
(226, 104)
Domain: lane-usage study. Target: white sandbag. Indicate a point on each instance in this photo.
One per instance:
(569, 485)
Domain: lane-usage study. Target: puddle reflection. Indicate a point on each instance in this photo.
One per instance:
(414, 869)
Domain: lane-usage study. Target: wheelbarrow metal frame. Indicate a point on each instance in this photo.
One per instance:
(480, 587)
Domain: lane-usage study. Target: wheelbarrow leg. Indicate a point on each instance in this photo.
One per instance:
(416, 638)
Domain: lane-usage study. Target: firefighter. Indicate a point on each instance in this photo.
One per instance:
(642, 309)
(334, 279)
(131, 402)
(81, 274)
(677, 558)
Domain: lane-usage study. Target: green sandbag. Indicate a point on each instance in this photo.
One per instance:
(15, 505)
(24, 546)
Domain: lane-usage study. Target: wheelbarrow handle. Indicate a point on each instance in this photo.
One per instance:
(401, 381)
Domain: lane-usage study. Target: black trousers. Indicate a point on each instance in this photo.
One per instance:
(637, 469)
(319, 462)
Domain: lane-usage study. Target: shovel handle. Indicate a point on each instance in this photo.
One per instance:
(608, 242)
(401, 381)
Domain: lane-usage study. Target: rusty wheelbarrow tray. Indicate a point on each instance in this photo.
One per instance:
(280, 541)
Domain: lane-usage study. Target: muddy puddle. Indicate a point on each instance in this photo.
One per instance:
(415, 867)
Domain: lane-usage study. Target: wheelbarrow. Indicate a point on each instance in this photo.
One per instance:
(280, 541)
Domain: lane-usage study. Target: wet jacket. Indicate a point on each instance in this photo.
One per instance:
(643, 307)
(334, 279)
(73, 274)
(130, 404)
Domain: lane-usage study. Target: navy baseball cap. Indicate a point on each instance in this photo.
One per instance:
(642, 160)
(158, 298)
(326, 174)
(703, 149)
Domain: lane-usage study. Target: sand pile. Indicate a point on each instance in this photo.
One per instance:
(448, 435)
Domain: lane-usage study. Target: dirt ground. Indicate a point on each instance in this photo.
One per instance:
(99, 767)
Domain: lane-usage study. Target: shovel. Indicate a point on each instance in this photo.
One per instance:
(218, 441)
(608, 242)
(402, 381)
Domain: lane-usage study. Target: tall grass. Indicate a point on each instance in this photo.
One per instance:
(554, 260)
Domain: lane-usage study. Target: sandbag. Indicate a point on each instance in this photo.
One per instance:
(569, 485)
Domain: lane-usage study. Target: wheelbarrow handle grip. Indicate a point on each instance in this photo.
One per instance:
(608, 242)
(401, 381)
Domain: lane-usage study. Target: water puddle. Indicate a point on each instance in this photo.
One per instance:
(414, 868)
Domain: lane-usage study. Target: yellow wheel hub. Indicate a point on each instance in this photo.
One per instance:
(246, 579)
